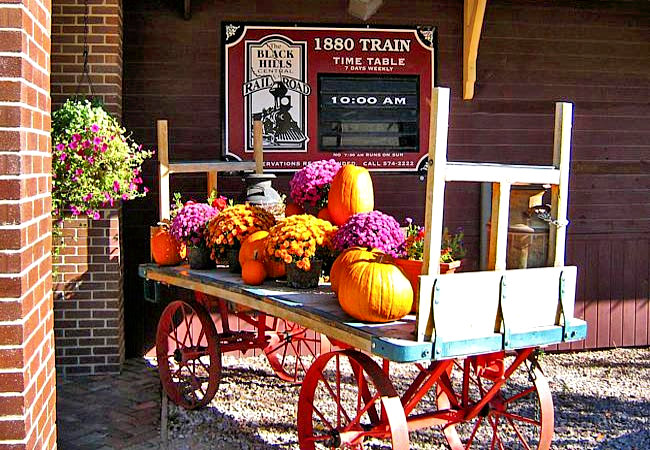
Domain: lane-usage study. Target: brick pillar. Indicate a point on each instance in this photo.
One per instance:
(88, 297)
(27, 376)
(89, 312)
(104, 56)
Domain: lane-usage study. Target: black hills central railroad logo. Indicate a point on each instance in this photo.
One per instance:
(276, 88)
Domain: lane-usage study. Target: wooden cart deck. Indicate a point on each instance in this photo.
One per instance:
(319, 310)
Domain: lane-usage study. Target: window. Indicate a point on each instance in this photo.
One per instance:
(368, 112)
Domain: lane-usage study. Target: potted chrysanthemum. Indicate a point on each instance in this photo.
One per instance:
(227, 230)
(310, 185)
(300, 241)
(372, 229)
(188, 227)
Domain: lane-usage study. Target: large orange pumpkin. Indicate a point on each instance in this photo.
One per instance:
(350, 193)
(165, 249)
(325, 214)
(375, 290)
(346, 258)
(253, 247)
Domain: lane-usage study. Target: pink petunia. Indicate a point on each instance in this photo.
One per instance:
(94, 128)
(76, 137)
(73, 145)
(116, 186)
(62, 157)
(88, 196)
(60, 147)
(85, 143)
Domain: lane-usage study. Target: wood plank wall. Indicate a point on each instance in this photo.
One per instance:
(532, 53)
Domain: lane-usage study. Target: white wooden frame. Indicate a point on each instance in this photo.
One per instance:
(502, 178)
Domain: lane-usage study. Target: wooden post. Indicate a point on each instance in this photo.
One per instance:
(163, 169)
(560, 192)
(499, 226)
(258, 143)
(474, 10)
(438, 129)
(212, 181)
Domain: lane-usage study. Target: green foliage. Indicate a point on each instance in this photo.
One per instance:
(94, 161)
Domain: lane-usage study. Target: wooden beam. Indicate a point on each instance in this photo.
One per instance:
(163, 169)
(187, 10)
(435, 197)
(560, 192)
(474, 11)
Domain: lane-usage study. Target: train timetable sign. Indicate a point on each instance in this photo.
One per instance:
(357, 94)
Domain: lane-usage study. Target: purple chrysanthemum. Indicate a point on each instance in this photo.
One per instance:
(189, 224)
(373, 230)
(310, 185)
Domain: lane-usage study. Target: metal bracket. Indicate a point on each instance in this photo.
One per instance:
(438, 341)
(505, 329)
(565, 321)
(152, 291)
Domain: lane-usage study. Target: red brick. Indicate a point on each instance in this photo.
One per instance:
(12, 405)
(12, 430)
(11, 382)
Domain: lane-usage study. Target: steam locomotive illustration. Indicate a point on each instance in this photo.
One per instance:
(279, 127)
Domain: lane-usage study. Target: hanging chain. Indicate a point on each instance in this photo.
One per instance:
(543, 212)
(86, 71)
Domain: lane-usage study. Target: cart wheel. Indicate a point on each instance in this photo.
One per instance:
(291, 350)
(346, 398)
(520, 415)
(189, 355)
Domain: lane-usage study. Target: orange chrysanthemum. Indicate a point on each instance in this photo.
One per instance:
(296, 239)
(233, 225)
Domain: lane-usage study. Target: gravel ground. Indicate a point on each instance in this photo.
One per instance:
(601, 398)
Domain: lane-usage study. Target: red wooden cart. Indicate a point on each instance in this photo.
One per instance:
(473, 339)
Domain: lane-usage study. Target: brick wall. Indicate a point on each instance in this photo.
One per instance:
(27, 376)
(88, 292)
(88, 299)
(104, 51)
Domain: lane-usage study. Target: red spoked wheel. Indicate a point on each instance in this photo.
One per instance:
(291, 350)
(189, 355)
(347, 399)
(518, 416)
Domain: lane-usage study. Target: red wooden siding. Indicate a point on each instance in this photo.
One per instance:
(532, 54)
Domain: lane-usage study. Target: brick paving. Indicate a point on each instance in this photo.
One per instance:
(110, 411)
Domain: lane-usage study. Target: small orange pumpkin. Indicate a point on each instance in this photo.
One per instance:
(253, 272)
(348, 256)
(350, 193)
(165, 249)
(253, 247)
(375, 290)
(293, 209)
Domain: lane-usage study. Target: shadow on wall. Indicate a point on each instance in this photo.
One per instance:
(88, 297)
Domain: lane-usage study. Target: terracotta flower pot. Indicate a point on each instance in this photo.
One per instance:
(413, 269)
